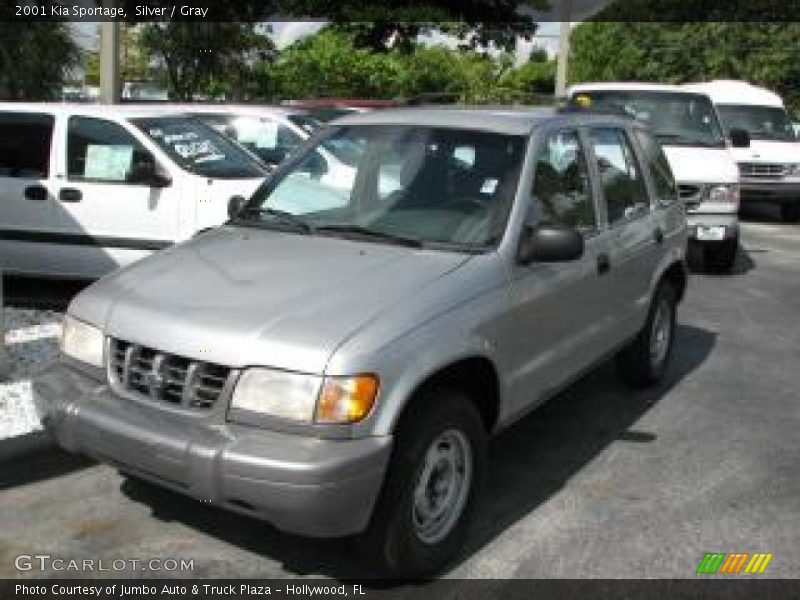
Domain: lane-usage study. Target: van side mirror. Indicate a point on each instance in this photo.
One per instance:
(147, 173)
(739, 138)
(550, 242)
(235, 206)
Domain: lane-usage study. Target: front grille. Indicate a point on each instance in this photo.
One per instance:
(767, 170)
(165, 377)
(691, 195)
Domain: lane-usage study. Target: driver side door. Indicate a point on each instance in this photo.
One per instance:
(104, 217)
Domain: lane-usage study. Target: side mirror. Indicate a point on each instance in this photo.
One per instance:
(550, 243)
(235, 206)
(146, 173)
(739, 138)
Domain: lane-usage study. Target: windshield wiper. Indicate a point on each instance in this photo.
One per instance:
(370, 233)
(280, 215)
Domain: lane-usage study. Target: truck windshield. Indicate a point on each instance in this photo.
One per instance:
(761, 122)
(199, 149)
(409, 185)
(676, 118)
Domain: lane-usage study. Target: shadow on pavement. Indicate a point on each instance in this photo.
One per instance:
(45, 462)
(529, 462)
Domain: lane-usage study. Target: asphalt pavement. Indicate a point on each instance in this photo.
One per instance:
(600, 482)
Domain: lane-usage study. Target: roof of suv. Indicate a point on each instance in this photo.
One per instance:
(507, 120)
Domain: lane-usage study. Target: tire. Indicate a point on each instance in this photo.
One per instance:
(722, 256)
(790, 212)
(643, 362)
(403, 537)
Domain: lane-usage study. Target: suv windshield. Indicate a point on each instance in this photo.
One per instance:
(198, 149)
(761, 122)
(676, 118)
(409, 185)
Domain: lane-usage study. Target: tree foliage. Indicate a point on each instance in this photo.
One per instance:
(212, 58)
(35, 59)
(766, 54)
(330, 64)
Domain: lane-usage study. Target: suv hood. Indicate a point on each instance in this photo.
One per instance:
(240, 297)
(692, 164)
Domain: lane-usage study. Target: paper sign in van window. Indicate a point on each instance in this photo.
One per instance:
(261, 134)
(189, 146)
(110, 163)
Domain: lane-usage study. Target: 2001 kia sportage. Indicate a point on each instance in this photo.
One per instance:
(333, 359)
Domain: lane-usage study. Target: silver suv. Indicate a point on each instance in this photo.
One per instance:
(333, 359)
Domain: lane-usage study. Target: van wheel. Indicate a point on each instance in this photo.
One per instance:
(790, 212)
(644, 361)
(431, 487)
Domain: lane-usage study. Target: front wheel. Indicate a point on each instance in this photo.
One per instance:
(644, 361)
(432, 486)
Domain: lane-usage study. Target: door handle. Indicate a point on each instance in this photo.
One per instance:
(658, 234)
(603, 264)
(36, 192)
(70, 195)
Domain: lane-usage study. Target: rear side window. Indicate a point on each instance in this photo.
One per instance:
(666, 190)
(25, 144)
(624, 189)
(100, 150)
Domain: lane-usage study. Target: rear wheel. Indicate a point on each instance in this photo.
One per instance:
(432, 486)
(644, 361)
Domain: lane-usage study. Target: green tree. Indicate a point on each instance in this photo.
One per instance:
(766, 54)
(207, 58)
(35, 59)
(329, 64)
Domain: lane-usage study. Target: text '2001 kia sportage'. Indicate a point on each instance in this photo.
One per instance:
(333, 359)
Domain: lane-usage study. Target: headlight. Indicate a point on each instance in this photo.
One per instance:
(305, 398)
(82, 342)
(723, 193)
(793, 170)
(277, 393)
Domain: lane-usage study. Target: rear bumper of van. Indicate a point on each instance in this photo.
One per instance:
(712, 227)
(303, 485)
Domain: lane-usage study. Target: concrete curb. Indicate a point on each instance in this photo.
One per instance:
(23, 445)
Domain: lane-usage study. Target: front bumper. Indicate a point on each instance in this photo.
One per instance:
(767, 192)
(300, 484)
(729, 223)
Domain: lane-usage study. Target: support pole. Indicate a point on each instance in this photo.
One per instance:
(110, 84)
(563, 49)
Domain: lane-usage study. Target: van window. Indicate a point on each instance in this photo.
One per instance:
(200, 149)
(25, 144)
(562, 190)
(100, 150)
(624, 189)
(666, 189)
(761, 122)
(271, 141)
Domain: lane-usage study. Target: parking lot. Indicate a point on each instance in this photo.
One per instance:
(600, 482)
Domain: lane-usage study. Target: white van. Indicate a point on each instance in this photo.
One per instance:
(770, 167)
(87, 189)
(687, 125)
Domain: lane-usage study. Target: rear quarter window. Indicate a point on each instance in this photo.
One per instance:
(660, 171)
(25, 140)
